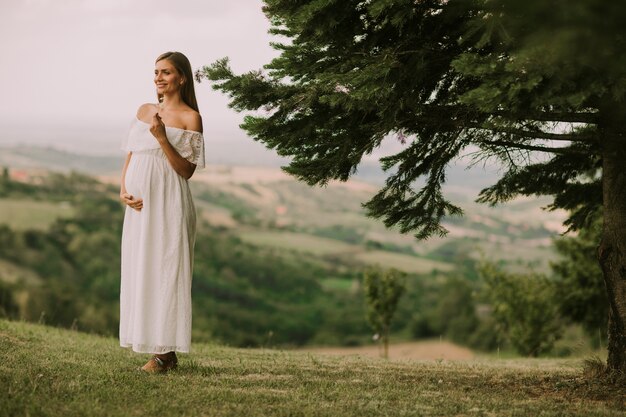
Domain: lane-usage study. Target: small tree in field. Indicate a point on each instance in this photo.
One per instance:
(524, 308)
(383, 290)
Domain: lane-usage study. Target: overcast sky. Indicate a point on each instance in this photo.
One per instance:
(90, 63)
(75, 71)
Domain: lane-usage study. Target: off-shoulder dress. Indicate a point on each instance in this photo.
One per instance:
(158, 243)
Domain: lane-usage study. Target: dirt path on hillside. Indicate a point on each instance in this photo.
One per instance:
(426, 350)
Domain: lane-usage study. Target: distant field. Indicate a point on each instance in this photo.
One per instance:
(297, 241)
(323, 246)
(337, 284)
(215, 215)
(403, 262)
(12, 273)
(31, 214)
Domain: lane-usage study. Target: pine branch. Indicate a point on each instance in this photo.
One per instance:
(547, 116)
(508, 144)
(530, 134)
(537, 116)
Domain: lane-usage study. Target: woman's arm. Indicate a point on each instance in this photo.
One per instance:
(183, 167)
(124, 196)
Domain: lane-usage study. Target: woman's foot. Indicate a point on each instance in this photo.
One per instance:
(160, 363)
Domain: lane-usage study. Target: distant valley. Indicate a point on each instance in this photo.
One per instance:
(267, 207)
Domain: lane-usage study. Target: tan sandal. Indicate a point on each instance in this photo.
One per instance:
(157, 365)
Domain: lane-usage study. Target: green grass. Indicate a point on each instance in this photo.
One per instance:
(46, 371)
(23, 214)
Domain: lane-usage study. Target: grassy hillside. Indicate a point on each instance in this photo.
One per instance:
(47, 371)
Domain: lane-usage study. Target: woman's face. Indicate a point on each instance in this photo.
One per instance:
(166, 78)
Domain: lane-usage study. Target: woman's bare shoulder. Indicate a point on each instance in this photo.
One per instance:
(145, 109)
(193, 120)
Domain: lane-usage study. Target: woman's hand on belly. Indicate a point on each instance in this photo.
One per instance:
(132, 202)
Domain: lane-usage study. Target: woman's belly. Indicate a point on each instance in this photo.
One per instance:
(149, 175)
(134, 180)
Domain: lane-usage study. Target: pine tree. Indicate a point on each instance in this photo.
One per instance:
(537, 85)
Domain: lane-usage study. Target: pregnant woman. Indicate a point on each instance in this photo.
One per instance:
(164, 146)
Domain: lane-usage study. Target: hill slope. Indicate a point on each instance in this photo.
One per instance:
(47, 371)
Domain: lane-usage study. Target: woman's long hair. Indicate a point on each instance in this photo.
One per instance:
(182, 65)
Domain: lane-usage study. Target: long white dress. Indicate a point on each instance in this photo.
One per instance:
(158, 243)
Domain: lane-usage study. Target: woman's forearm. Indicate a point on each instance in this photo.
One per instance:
(183, 167)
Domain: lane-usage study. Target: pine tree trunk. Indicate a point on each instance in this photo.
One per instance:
(612, 248)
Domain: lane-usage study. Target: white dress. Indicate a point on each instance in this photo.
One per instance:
(157, 243)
